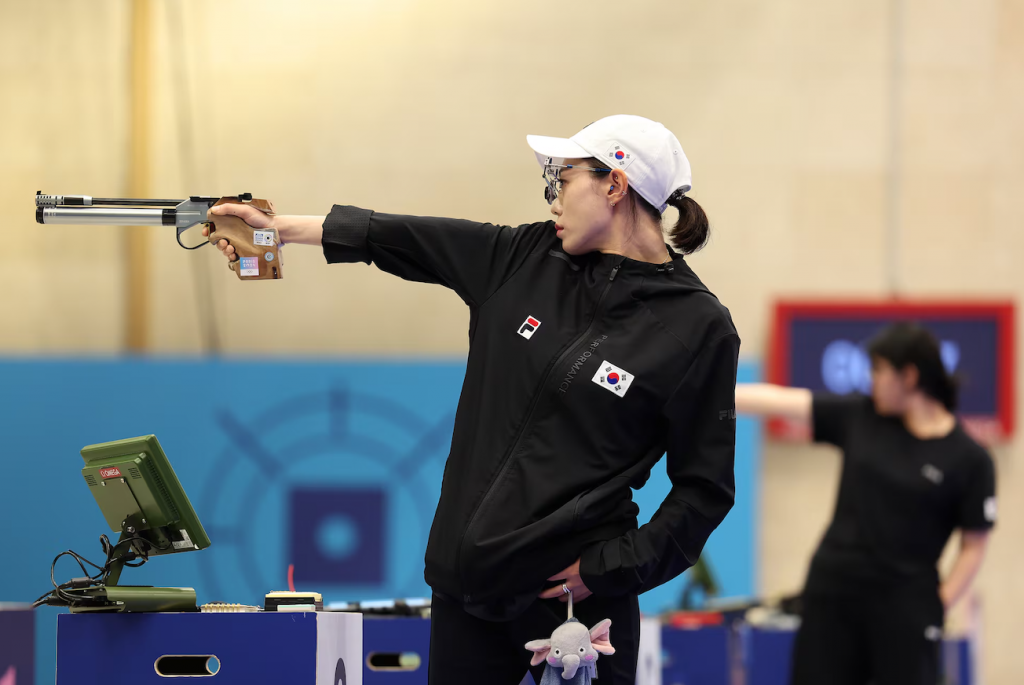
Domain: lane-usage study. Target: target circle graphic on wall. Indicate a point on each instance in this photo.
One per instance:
(342, 484)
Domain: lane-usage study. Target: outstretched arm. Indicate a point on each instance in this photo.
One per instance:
(471, 258)
(764, 399)
(301, 230)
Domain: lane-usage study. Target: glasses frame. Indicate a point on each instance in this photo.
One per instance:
(551, 175)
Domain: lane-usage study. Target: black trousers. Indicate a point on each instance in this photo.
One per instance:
(886, 638)
(467, 649)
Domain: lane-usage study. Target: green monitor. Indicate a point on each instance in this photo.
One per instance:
(140, 497)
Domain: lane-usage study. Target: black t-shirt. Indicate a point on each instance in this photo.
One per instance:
(900, 497)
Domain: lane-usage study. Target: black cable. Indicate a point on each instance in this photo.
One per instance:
(65, 598)
(133, 539)
(59, 590)
(79, 558)
(53, 566)
(131, 556)
(39, 602)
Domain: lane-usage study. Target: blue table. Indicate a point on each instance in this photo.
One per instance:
(696, 656)
(270, 647)
(767, 653)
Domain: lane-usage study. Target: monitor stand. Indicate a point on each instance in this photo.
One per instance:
(131, 598)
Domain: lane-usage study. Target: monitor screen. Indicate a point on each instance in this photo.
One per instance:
(139, 494)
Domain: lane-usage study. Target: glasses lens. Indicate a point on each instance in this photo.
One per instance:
(554, 184)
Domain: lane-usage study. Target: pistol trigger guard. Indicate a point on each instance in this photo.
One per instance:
(177, 235)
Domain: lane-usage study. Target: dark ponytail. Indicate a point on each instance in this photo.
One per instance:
(691, 231)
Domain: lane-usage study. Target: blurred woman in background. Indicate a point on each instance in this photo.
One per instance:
(873, 604)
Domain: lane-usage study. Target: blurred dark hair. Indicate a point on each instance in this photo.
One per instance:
(691, 231)
(905, 343)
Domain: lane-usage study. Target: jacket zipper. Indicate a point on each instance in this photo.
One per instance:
(529, 417)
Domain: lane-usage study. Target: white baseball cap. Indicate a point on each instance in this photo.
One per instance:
(649, 153)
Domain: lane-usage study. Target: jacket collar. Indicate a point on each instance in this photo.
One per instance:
(628, 265)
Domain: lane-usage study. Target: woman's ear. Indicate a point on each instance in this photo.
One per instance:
(911, 376)
(618, 186)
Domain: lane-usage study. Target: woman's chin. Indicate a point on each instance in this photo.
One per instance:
(570, 247)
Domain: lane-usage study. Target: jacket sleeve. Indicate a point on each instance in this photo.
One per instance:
(473, 259)
(701, 445)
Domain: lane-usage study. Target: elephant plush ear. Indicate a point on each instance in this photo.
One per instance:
(600, 637)
(540, 649)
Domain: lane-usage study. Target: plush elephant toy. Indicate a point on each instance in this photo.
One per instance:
(573, 649)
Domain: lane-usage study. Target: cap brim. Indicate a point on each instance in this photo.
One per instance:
(557, 148)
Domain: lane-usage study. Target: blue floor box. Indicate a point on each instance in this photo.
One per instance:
(293, 648)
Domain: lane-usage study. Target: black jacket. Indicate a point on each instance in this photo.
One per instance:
(582, 372)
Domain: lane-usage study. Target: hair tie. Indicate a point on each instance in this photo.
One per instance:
(677, 195)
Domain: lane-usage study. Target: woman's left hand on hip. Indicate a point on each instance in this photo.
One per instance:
(570, 578)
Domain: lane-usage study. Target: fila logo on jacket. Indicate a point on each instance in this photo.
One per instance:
(529, 327)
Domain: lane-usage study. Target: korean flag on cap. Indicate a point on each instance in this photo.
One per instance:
(618, 156)
(612, 378)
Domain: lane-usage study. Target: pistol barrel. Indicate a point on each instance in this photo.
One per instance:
(105, 216)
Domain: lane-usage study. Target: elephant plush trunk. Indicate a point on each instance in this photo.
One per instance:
(570, 662)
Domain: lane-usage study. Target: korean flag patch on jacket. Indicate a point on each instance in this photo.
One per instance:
(612, 378)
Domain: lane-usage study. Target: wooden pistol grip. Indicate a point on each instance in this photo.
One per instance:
(257, 249)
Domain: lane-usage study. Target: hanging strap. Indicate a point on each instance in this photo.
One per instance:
(566, 590)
